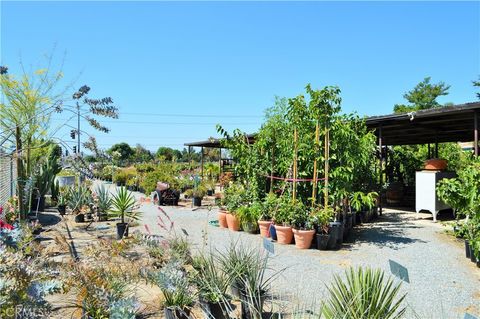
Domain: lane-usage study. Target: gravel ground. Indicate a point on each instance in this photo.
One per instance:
(443, 283)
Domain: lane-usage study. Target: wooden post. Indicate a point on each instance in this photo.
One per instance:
(314, 191)
(475, 133)
(327, 157)
(381, 167)
(295, 140)
(202, 162)
(272, 170)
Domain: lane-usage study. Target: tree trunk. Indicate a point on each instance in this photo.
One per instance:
(20, 174)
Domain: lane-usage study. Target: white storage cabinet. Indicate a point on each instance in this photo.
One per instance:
(426, 191)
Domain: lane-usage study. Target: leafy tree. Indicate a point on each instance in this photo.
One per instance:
(423, 96)
(141, 154)
(125, 151)
(168, 154)
(27, 104)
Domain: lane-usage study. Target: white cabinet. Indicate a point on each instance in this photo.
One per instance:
(425, 191)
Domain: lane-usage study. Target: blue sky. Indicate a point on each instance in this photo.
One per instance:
(225, 61)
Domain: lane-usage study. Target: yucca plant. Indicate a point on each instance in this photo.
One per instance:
(78, 197)
(365, 293)
(104, 199)
(123, 204)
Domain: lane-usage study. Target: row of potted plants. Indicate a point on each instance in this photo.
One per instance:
(287, 221)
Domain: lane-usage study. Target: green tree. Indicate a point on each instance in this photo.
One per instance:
(141, 154)
(423, 96)
(27, 104)
(125, 151)
(168, 154)
(477, 84)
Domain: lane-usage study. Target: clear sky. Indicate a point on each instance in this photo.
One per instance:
(176, 69)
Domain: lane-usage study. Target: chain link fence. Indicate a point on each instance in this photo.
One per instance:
(8, 176)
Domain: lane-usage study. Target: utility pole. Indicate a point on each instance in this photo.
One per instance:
(78, 127)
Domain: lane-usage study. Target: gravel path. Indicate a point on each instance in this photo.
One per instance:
(443, 283)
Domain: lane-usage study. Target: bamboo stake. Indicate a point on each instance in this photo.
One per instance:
(315, 182)
(294, 193)
(327, 155)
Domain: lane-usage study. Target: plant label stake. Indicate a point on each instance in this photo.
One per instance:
(268, 246)
(469, 316)
(399, 271)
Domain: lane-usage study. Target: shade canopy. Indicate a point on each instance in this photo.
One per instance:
(445, 124)
(454, 123)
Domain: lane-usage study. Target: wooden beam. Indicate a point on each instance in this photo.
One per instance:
(380, 146)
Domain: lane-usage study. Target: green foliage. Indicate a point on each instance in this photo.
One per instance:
(78, 197)
(365, 293)
(321, 217)
(123, 204)
(269, 206)
(212, 282)
(49, 168)
(168, 154)
(423, 96)
(103, 199)
(124, 150)
(236, 196)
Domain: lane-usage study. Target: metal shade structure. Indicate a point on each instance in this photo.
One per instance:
(457, 123)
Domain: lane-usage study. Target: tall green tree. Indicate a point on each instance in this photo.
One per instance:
(423, 96)
(125, 151)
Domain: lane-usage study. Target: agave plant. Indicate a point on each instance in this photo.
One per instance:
(365, 293)
(104, 200)
(123, 204)
(78, 197)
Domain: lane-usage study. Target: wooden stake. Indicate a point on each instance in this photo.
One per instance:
(315, 182)
(294, 193)
(327, 155)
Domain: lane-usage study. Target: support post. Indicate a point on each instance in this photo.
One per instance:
(429, 151)
(475, 133)
(202, 162)
(380, 208)
(220, 161)
(436, 149)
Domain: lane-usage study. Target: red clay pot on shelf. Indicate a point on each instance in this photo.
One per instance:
(222, 219)
(436, 164)
(303, 238)
(233, 222)
(264, 226)
(284, 234)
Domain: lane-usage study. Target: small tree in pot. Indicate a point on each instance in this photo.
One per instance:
(123, 204)
(321, 219)
(302, 223)
(104, 202)
(268, 207)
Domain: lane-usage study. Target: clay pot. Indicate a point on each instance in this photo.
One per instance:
(303, 238)
(233, 222)
(284, 234)
(222, 219)
(435, 164)
(264, 228)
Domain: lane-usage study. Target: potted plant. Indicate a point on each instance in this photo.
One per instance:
(303, 230)
(235, 197)
(265, 220)
(196, 194)
(212, 283)
(61, 204)
(176, 289)
(283, 221)
(78, 200)
(123, 204)
(210, 185)
(248, 216)
(321, 218)
(103, 201)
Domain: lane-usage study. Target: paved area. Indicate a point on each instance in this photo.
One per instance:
(443, 283)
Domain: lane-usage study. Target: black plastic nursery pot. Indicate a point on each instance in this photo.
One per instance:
(122, 230)
(322, 241)
(62, 209)
(252, 307)
(336, 235)
(176, 313)
(467, 249)
(472, 255)
(80, 218)
(210, 192)
(197, 201)
(215, 310)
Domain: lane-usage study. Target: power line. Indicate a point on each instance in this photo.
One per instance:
(193, 115)
(166, 123)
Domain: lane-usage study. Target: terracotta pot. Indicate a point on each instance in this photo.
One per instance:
(303, 238)
(233, 222)
(264, 228)
(222, 219)
(284, 234)
(436, 164)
